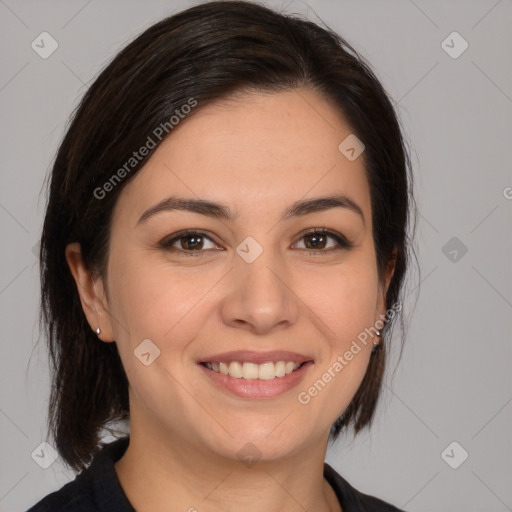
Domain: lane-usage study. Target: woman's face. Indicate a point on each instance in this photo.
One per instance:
(252, 280)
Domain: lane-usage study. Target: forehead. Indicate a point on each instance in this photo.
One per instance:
(251, 150)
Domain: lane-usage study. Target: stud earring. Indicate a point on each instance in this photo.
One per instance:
(98, 331)
(376, 344)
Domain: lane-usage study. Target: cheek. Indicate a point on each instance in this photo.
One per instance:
(345, 300)
(158, 302)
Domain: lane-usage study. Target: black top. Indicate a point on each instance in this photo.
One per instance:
(97, 489)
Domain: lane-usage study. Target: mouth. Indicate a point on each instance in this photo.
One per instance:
(256, 375)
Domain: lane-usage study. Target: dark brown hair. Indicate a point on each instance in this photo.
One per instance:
(206, 52)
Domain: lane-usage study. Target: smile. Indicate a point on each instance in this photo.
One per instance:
(253, 371)
(254, 374)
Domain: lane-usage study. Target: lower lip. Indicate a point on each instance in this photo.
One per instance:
(256, 388)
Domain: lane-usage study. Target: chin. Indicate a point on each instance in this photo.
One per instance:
(250, 443)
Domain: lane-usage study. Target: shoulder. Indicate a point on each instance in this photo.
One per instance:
(352, 500)
(95, 489)
(75, 496)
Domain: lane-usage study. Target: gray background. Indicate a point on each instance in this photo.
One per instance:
(454, 380)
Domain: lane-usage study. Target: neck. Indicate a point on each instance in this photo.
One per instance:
(162, 474)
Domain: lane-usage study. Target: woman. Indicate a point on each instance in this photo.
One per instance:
(222, 260)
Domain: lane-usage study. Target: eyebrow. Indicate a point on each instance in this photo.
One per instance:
(222, 211)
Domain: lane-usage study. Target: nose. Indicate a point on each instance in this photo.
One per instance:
(260, 296)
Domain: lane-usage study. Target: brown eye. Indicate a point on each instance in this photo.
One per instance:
(318, 241)
(188, 242)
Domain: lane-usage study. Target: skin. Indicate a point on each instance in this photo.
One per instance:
(257, 153)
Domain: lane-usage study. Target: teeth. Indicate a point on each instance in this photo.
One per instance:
(249, 370)
(252, 371)
(289, 368)
(280, 369)
(235, 370)
(266, 371)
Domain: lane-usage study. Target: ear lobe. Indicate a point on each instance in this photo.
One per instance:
(91, 291)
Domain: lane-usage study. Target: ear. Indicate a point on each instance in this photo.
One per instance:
(92, 293)
(390, 270)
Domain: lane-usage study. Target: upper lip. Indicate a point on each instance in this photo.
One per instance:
(248, 356)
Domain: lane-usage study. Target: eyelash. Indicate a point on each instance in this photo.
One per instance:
(343, 243)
